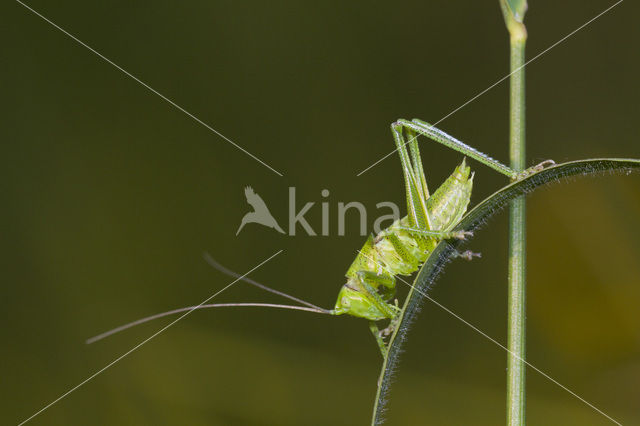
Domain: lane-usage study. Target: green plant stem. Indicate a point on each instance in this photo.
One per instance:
(516, 392)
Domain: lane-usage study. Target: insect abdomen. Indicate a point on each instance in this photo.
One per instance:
(449, 203)
(397, 251)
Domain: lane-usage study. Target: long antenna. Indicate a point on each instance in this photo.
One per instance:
(310, 307)
(190, 308)
(214, 263)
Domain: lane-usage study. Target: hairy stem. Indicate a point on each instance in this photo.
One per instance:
(516, 391)
(474, 219)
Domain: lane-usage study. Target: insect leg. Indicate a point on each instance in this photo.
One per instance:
(377, 334)
(389, 310)
(441, 235)
(371, 293)
(418, 172)
(416, 207)
(438, 135)
(466, 255)
(385, 283)
(402, 250)
(417, 162)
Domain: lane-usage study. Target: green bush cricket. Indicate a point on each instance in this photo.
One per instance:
(399, 249)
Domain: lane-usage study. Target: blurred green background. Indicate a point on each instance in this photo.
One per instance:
(110, 196)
